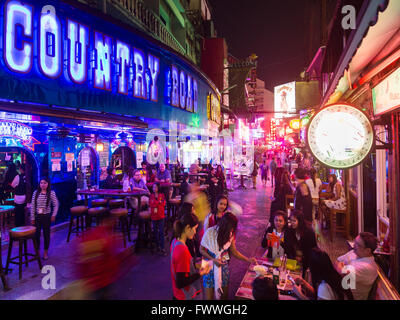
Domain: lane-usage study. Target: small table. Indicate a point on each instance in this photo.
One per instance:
(245, 289)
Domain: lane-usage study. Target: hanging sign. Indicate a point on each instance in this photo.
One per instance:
(340, 136)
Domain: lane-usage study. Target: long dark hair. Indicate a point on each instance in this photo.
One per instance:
(11, 173)
(301, 223)
(313, 172)
(48, 191)
(322, 269)
(332, 184)
(227, 225)
(187, 219)
(215, 207)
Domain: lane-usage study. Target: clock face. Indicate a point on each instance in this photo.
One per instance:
(340, 136)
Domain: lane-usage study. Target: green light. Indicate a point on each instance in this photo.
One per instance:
(195, 121)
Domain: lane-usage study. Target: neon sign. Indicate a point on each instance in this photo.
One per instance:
(15, 132)
(86, 56)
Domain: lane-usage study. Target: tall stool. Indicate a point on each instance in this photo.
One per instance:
(22, 235)
(77, 213)
(122, 215)
(2, 272)
(116, 203)
(173, 214)
(144, 235)
(334, 227)
(97, 214)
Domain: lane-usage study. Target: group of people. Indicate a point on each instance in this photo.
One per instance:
(217, 245)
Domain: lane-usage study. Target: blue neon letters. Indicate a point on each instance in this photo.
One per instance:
(108, 63)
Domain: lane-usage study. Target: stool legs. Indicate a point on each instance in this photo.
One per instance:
(80, 225)
(10, 244)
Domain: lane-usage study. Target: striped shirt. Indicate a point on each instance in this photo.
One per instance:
(39, 207)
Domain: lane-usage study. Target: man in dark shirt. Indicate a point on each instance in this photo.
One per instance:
(111, 181)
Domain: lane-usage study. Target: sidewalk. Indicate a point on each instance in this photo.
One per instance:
(150, 279)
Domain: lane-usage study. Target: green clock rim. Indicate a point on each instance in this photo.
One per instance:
(369, 123)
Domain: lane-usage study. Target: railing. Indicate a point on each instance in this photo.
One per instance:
(150, 22)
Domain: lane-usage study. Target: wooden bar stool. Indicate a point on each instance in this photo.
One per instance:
(3, 272)
(144, 235)
(97, 214)
(116, 203)
(122, 215)
(99, 203)
(334, 227)
(77, 213)
(22, 235)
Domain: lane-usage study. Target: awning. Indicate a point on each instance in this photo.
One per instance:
(69, 113)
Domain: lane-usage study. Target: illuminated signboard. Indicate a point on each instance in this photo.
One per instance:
(285, 100)
(17, 134)
(340, 136)
(386, 95)
(41, 42)
(213, 108)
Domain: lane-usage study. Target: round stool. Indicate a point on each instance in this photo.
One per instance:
(99, 203)
(22, 235)
(77, 213)
(122, 215)
(116, 203)
(144, 235)
(96, 213)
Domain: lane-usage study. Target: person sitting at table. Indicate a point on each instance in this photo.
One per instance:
(143, 171)
(264, 288)
(151, 174)
(362, 261)
(157, 206)
(111, 181)
(138, 183)
(300, 239)
(219, 209)
(163, 175)
(218, 243)
(338, 200)
(274, 237)
(326, 281)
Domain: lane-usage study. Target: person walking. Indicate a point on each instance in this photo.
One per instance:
(44, 209)
(272, 169)
(302, 196)
(254, 174)
(264, 172)
(19, 186)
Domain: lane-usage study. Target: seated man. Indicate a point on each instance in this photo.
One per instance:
(138, 184)
(163, 175)
(361, 258)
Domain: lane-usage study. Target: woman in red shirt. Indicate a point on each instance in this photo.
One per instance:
(157, 206)
(186, 283)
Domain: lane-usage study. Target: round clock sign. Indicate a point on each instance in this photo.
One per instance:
(340, 136)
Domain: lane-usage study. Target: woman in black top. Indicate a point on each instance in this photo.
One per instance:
(302, 196)
(282, 189)
(300, 239)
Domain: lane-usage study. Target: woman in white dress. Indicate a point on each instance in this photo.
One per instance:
(338, 201)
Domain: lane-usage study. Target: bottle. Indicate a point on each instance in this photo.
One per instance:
(275, 276)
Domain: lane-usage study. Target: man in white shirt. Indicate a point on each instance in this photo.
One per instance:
(362, 260)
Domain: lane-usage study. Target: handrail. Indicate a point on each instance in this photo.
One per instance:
(148, 20)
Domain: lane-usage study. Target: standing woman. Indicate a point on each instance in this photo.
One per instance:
(302, 196)
(43, 212)
(217, 245)
(219, 209)
(157, 204)
(186, 283)
(315, 186)
(221, 180)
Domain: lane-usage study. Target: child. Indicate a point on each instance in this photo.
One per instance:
(157, 206)
(275, 236)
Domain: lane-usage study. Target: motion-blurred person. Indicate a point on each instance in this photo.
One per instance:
(101, 260)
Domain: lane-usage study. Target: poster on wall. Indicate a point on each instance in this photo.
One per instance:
(55, 165)
(285, 100)
(69, 157)
(69, 166)
(139, 159)
(85, 160)
(104, 156)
